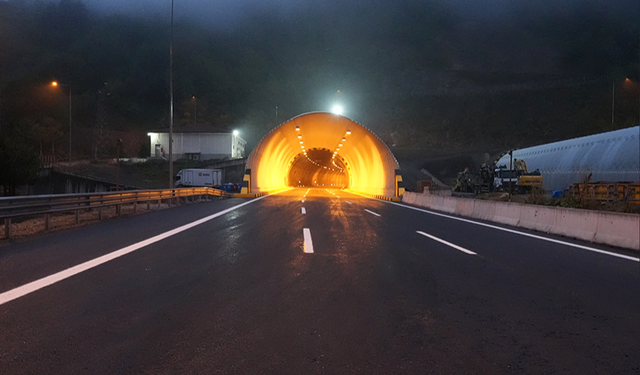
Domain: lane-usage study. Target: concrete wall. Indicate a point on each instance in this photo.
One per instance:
(610, 228)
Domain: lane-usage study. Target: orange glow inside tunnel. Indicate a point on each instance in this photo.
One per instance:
(323, 149)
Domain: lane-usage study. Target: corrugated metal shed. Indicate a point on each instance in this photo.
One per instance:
(610, 156)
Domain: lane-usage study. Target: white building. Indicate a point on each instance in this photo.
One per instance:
(197, 142)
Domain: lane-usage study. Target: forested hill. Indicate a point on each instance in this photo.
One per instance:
(413, 71)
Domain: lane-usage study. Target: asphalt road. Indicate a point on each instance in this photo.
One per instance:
(360, 291)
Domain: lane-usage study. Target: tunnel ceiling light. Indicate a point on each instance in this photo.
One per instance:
(340, 145)
(348, 132)
(297, 128)
(299, 136)
(301, 142)
(344, 139)
(302, 146)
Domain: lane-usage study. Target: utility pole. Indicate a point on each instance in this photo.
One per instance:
(511, 172)
(171, 103)
(613, 101)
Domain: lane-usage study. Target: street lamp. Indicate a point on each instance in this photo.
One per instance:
(195, 109)
(56, 84)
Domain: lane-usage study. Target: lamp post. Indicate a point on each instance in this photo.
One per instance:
(195, 110)
(56, 84)
(171, 103)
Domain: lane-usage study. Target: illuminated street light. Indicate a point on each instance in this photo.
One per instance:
(337, 109)
(56, 84)
(235, 132)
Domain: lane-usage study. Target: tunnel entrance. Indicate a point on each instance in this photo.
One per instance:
(318, 167)
(319, 149)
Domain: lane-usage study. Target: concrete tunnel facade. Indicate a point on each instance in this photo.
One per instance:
(325, 150)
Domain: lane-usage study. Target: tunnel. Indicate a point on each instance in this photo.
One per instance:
(322, 149)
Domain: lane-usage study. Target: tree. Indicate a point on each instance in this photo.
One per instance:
(19, 164)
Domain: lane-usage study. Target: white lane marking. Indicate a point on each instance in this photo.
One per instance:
(303, 201)
(446, 243)
(517, 232)
(59, 276)
(304, 211)
(308, 243)
(348, 202)
(372, 213)
(338, 196)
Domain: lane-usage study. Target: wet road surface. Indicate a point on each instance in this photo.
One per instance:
(313, 281)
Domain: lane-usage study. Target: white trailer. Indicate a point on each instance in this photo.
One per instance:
(199, 177)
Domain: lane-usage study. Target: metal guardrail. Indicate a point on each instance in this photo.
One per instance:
(29, 206)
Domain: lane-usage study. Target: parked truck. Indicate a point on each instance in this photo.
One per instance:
(199, 178)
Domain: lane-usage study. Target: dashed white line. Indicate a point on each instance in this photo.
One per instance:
(303, 201)
(304, 211)
(447, 243)
(372, 213)
(308, 243)
(635, 259)
(348, 202)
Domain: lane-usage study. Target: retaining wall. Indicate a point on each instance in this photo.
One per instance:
(610, 228)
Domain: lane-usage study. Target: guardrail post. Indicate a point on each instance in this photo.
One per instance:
(47, 222)
(135, 207)
(118, 209)
(148, 205)
(7, 228)
(77, 217)
(100, 213)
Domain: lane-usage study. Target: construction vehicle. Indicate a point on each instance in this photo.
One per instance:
(466, 182)
(517, 179)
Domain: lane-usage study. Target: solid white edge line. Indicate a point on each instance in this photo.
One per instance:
(509, 230)
(59, 276)
(304, 211)
(447, 243)
(308, 243)
(518, 232)
(372, 213)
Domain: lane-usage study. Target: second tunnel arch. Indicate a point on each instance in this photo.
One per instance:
(339, 150)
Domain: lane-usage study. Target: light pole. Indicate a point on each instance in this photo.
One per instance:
(56, 84)
(613, 101)
(171, 103)
(195, 110)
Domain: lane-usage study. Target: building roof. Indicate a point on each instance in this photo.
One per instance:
(197, 128)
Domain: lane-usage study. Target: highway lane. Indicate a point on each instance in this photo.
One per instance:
(238, 294)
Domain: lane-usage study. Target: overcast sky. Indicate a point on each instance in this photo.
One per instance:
(227, 12)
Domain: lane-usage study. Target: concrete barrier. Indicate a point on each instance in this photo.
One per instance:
(449, 205)
(618, 230)
(538, 218)
(507, 213)
(610, 228)
(484, 210)
(464, 207)
(580, 224)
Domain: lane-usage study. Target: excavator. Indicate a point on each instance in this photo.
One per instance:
(519, 177)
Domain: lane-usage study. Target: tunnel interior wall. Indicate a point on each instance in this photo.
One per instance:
(368, 161)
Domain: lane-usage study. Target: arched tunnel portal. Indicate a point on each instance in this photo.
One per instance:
(326, 150)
